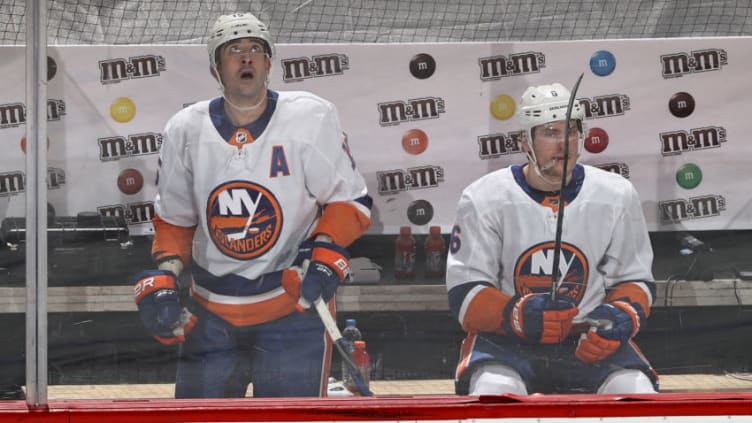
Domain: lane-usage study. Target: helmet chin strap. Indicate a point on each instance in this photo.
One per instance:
(246, 108)
(235, 106)
(537, 168)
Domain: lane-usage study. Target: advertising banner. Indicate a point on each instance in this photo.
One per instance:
(423, 121)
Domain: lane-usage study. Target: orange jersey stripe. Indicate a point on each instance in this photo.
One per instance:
(171, 241)
(245, 311)
(485, 311)
(634, 292)
(333, 259)
(343, 223)
(328, 347)
(627, 308)
(465, 352)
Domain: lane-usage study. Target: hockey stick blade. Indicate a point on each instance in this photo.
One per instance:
(339, 343)
(555, 281)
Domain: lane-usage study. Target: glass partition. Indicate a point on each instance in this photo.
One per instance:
(426, 96)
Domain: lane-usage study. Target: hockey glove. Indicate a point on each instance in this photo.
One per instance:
(156, 293)
(328, 267)
(537, 318)
(611, 325)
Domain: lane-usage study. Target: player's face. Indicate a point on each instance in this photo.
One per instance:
(548, 144)
(244, 68)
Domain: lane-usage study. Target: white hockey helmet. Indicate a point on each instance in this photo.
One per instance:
(232, 27)
(544, 104)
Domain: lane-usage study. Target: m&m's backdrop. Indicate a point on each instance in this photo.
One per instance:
(423, 121)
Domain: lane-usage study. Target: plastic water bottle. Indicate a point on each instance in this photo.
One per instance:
(363, 363)
(350, 334)
(404, 254)
(435, 249)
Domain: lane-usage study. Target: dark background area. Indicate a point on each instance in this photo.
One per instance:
(112, 347)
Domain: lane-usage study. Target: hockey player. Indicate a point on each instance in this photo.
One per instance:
(258, 193)
(520, 338)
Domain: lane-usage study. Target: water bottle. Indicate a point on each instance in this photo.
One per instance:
(363, 363)
(350, 334)
(435, 249)
(404, 254)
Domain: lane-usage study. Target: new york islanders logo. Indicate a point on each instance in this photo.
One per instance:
(244, 219)
(534, 268)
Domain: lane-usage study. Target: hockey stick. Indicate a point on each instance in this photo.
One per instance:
(251, 212)
(339, 342)
(556, 280)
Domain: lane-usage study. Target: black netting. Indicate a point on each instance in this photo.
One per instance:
(373, 21)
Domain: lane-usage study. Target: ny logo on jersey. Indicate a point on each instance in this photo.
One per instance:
(534, 270)
(244, 219)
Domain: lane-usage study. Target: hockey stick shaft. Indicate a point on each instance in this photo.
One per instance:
(555, 278)
(339, 343)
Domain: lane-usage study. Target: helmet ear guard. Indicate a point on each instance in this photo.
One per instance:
(236, 26)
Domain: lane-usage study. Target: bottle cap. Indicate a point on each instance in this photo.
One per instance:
(405, 230)
(359, 344)
(350, 322)
(435, 230)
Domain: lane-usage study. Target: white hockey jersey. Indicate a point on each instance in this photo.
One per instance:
(505, 231)
(254, 193)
